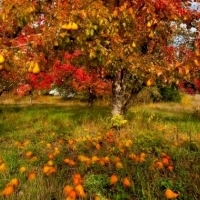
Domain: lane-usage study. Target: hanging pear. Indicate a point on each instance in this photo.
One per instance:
(74, 26)
(36, 69)
(2, 59)
(31, 66)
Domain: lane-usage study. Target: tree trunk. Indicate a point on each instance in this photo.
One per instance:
(118, 89)
(30, 97)
(125, 87)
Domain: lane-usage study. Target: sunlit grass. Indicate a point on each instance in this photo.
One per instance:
(55, 133)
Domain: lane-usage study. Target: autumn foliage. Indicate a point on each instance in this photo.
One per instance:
(126, 44)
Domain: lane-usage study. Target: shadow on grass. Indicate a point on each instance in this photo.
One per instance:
(13, 117)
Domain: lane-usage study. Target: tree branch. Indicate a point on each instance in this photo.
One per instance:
(15, 47)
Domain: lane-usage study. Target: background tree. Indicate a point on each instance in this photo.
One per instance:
(129, 42)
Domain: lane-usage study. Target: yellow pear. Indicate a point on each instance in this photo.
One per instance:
(36, 69)
(64, 26)
(2, 59)
(133, 44)
(150, 81)
(74, 26)
(31, 66)
(149, 23)
(67, 26)
(151, 34)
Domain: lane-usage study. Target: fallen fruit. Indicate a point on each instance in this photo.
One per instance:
(72, 195)
(126, 182)
(169, 194)
(80, 191)
(14, 182)
(165, 162)
(119, 165)
(31, 176)
(2, 167)
(45, 169)
(22, 169)
(8, 191)
(67, 190)
(159, 165)
(113, 179)
(28, 154)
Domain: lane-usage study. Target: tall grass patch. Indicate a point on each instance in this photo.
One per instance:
(45, 146)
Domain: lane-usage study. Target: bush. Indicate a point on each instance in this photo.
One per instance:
(147, 95)
(170, 93)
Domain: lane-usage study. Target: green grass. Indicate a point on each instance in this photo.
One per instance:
(74, 130)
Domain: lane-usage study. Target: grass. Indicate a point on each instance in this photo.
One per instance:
(75, 132)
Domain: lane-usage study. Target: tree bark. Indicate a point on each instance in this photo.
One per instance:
(124, 89)
(118, 89)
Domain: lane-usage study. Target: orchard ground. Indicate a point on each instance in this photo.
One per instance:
(53, 144)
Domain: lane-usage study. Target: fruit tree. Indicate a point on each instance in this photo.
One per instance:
(131, 43)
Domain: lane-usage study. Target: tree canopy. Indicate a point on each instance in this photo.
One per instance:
(92, 44)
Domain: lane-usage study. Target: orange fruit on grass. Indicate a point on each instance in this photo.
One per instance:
(72, 194)
(45, 169)
(51, 170)
(71, 163)
(169, 194)
(76, 181)
(126, 182)
(50, 162)
(50, 156)
(165, 162)
(102, 162)
(119, 165)
(159, 165)
(98, 146)
(170, 168)
(77, 175)
(28, 154)
(95, 159)
(116, 159)
(3, 167)
(97, 198)
(106, 159)
(31, 176)
(14, 182)
(67, 189)
(80, 191)
(113, 179)
(8, 191)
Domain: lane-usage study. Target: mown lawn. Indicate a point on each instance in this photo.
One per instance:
(60, 151)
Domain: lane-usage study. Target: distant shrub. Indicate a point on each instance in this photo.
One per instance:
(170, 93)
(147, 95)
